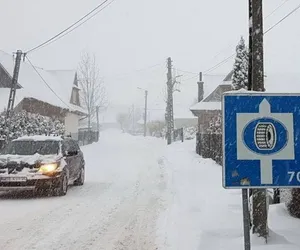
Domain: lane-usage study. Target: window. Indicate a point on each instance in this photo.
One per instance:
(70, 146)
(75, 97)
(33, 147)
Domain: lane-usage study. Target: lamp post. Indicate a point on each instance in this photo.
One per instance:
(145, 116)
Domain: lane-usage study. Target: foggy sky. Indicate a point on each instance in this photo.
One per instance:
(136, 34)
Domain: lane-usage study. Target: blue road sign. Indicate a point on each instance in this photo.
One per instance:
(260, 140)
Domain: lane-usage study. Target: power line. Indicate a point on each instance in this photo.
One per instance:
(196, 74)
(281, 20)
(73, 26)
(219, 64)
(228, 58)
(268, 30)
(276, 9)
(78, 25)
(124, 75)
(188, 72)
(45, 81)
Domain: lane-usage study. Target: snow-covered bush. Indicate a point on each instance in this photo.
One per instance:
(190, 133)
(156, 128)
(215, 125)
(24, 123)
(293, 204)
(240, 67)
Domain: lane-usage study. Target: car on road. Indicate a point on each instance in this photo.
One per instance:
(41, 163)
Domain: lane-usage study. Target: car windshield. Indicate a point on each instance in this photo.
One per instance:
(33, 147)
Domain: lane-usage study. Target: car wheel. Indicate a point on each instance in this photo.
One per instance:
(80, 180)
(63, 185)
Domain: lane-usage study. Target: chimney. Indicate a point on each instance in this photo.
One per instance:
(200, 88)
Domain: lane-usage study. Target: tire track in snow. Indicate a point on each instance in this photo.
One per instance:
(43, 229)
(116, 216)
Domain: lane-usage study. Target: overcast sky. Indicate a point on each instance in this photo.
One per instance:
(131, 35)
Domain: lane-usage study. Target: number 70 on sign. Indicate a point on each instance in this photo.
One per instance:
(294, 175)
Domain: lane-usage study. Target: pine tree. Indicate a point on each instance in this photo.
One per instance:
(240, 67)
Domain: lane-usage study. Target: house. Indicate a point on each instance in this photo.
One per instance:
(183, 118)
(55, 93)
(210, 106)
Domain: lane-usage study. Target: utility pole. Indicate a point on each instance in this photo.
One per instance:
(98, 124)
(146, 110)
(200, 84)
(169, 114)
(250, 46)
(133, 119)
(13, 88)
(259, 196)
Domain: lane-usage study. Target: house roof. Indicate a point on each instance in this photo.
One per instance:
(60, 82)
(228, 77)
(216, 95)
(206, 106)
(274, 82)
(213, 101)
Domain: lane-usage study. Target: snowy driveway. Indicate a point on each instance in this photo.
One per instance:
(117, 208)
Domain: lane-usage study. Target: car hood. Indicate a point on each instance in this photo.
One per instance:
(24, 165)
(28, 159)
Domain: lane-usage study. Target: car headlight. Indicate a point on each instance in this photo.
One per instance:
(48, 168)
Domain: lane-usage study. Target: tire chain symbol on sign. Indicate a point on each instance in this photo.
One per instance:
(265, 136)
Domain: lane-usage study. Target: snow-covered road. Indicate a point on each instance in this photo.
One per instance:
(117, 208)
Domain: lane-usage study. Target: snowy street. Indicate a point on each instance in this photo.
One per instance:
(140, 194)
(117, 208)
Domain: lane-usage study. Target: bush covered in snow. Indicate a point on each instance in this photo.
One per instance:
(24, 123)
(215, 125)
(293, 204)
(190, 133)
(156, 128)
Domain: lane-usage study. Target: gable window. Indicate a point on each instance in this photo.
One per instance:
(75, 97)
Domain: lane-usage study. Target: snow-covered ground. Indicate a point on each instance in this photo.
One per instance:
(203, 215)
(140, 195)
(117, 208)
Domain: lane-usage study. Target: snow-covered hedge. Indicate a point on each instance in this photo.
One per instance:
(190, 132)
(215, 125)
(24, 123)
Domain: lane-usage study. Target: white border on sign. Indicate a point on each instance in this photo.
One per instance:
(246, 93)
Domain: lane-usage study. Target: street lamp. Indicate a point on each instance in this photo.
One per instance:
(145, 116)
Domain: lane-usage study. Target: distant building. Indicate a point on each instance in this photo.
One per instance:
(210, 106)
(59, 100)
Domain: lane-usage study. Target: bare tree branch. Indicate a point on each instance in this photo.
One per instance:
(93, 93)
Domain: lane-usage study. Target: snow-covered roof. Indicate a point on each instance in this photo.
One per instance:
(275, 83)
(39, 138)
(61, 82)
(206, 106)
(183, 113)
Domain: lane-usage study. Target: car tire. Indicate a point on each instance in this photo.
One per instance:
(80, 180)
(63, 185)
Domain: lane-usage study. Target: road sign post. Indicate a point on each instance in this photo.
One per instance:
(260, 149)
(246, 217)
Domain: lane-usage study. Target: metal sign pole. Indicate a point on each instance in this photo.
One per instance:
(246, 219)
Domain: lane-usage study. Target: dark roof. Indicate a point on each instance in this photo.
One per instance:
(228, 77)
(6, 79)
(216, 95)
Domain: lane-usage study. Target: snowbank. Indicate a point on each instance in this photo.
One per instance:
(203, 215)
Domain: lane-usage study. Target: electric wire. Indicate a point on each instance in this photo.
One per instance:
(38, 73)
(268, 30)
(72, 26)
